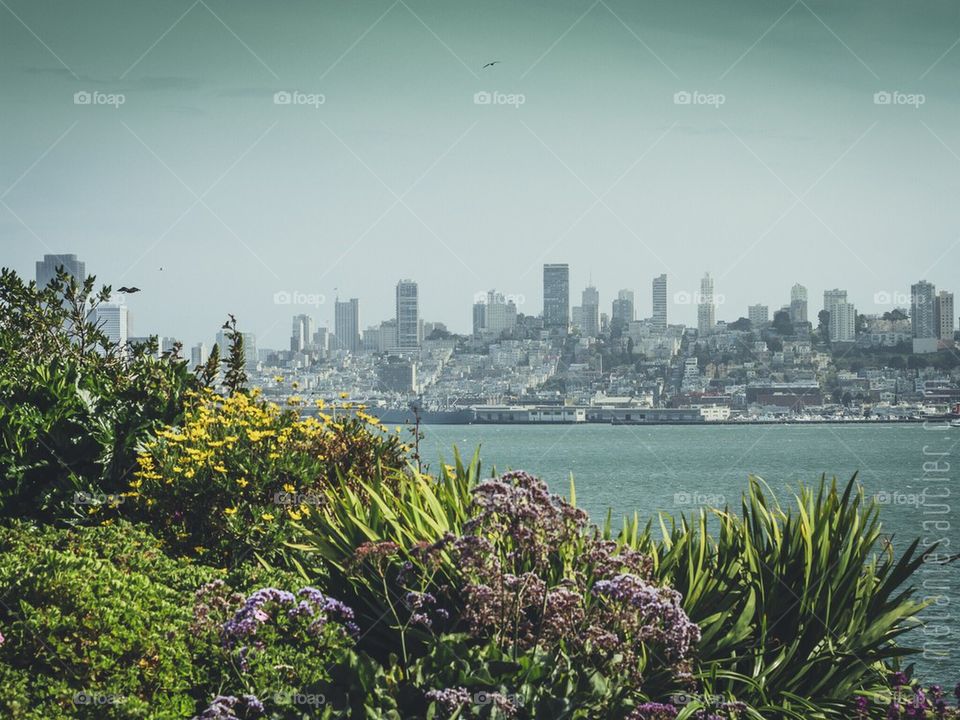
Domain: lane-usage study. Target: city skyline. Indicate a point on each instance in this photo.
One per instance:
(930, 310)
(820, 157)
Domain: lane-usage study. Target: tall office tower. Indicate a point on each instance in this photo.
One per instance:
(943, 317)
(660, 302)
(479, 317)
(499, 315)
(923, 303)
(556, 296)
(590, 302)
(622, 313)
(47, 268)
(408, 315)
(759, 315)
(113, 321)
(833, 297)
(843, 322)
(706, 310)
(321, 340)
(301, 335)
(346, 323)
(798, 304)
(198, 355)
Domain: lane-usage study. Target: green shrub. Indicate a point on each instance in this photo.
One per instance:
(73, 406)
(96, 622)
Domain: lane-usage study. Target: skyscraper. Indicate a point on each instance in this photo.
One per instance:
(113, 321)
(833, 297)
(590, 302)
(923, 301)
(660, 302)
(47, 268)
(301, 335)
(943, 320)
(759, 315)
(798, 304)
(556, 296)
(479, 317)
(198, 355)
(622, 312)
(346, 317)
(408, 315)
(706, 310)
(843, 322)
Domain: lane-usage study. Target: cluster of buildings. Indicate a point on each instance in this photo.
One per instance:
(612, 365)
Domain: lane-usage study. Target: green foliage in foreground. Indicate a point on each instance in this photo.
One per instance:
(800, 608)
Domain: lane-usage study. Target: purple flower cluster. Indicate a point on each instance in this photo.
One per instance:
(268, 604)
(453, 699)
(668, 711)
(424, 609)
(648, 614)
(225, 707)
(532, 573)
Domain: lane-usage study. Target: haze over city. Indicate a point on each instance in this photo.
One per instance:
(627, 141)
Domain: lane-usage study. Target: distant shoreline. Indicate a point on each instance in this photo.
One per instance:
(709, 423)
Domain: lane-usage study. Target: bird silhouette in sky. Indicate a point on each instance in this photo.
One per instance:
(490, 64)
(128, 290)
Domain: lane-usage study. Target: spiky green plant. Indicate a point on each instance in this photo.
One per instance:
(800, 608)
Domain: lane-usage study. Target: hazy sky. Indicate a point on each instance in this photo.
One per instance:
(799, 175)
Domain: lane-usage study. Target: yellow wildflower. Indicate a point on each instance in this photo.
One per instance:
(267, 516)
(287, 487)
(242, 482)
(230, 511)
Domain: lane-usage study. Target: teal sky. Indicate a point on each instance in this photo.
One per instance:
(799, 176)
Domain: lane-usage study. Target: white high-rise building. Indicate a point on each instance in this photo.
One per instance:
(706, 309)
(622, 312)
(408, 315)
(198, 355)
(759, 315)
(798, 304)
(833, 297)
(843, 322)
(346, 316)
(923, 322)
(113, 321)
(301, 335)
(660, 302)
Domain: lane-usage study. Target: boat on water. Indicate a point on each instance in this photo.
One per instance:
(405, 416)
(955, 423)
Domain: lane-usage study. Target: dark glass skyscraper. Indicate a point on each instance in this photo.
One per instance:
(556, 295)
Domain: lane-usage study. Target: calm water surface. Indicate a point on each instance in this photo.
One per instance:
(673, 469)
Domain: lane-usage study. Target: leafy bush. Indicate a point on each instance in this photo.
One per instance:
(233, 480)
(95, 624)
(73, 406)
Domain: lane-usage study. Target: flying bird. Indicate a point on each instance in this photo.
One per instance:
(126, 289)
(490, 64)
